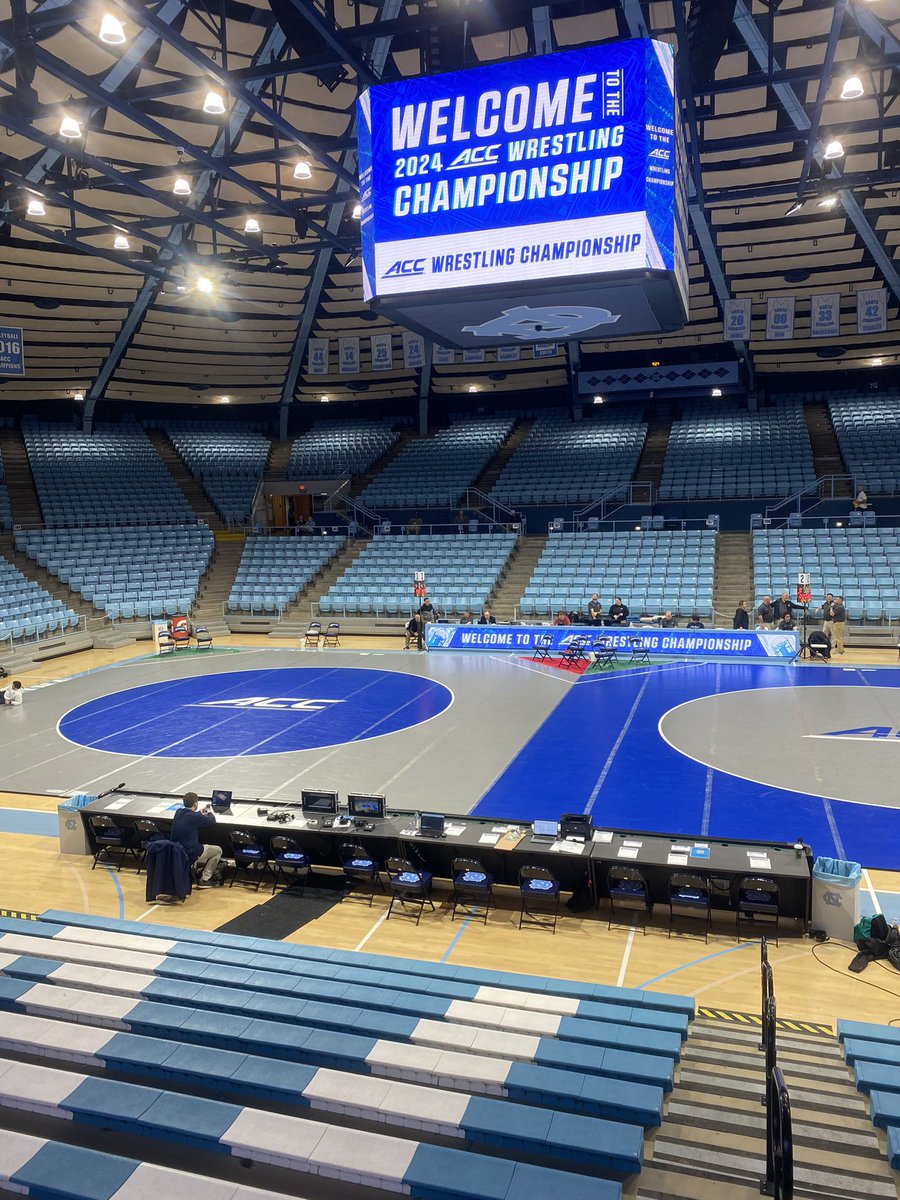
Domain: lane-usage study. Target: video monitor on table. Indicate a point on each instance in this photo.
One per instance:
(431, 824)
(545, 829)
(319, 804)
(220, 800)
(365, 806)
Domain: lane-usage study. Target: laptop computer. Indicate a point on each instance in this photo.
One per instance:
(545, 830)
(431, 825)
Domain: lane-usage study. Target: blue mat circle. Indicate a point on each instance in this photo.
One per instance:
(244, 713)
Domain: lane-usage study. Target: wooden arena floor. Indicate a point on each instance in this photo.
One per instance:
(813, 984)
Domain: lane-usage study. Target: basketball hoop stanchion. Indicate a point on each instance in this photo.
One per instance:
(804, 595)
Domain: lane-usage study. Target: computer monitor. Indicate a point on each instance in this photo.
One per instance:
(221, 801)
(319, 803)
(545, 829)
(359, 805)
(431, 824)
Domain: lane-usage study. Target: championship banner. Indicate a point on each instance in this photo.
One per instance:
(348, 355)
(717, 643)
(473, 356)
(382, 352)
(12, 350)
(543, 350)
(444, 356)
(508, 354)
(780, 318)
(317, 356)
(825, 315)
(871, 310)
(413, 350)
(736, 320)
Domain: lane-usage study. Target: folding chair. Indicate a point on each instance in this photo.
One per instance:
(604, 653)
(539, 891)
(575, 652)
(313, 633)
(290, 862)
(639, 651)
(543, 647)
(409, 885)
(473, 888)
(332, 634)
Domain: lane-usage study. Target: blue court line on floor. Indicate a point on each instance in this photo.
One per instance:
(115, 879)
(28, 821)
(459, 933)
(695, 962)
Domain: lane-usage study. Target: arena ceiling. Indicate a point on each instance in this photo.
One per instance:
(769, 215)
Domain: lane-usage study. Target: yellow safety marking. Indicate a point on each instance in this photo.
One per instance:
(18, 916)
(786, 1026)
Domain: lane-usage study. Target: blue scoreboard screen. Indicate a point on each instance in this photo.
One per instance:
(555, 168)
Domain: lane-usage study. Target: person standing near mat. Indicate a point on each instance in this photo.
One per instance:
(765, 614)
(186, 826)
(827, 611)
(838, 619)
(741, 619)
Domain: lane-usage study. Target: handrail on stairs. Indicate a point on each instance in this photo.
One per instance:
(635, 492)
(779, 1179)
(815, 493)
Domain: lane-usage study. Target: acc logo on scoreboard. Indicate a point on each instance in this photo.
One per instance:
(526, 324)
(406, 266)
(475, 156)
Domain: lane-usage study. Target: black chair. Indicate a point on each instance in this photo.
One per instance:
(110, 839)
(628, 891)
(639, 651)
(409, 885)
(576, 651)
(360, 870)
(203, 638)
(689, 896)
(313, 633)
(251, 859)
(332, 634)
(604, 653)
(539, 891)
(146, 832)
(758, 904)
(473, 888)
(543, 647)
(290, 863)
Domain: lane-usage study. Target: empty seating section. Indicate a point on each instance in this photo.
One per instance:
(5, 514)
(460, 573)
(652, 571)
(228, 460)
(26, 610)
(562, 461)
(274, 570)
(333, 448)
(433, 472)
(151, 571)
(868, 432)
(863, 565)
(873, 1051)
(720, 453)
(112, 476)
(443, 1065)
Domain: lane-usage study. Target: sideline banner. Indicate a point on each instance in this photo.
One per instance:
(704, 643)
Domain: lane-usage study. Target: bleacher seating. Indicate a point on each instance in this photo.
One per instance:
(863, 565)
(564, 1076)
(5, 512)
(229, 461)
(331, 448)
(26, 610)
(435, 472)
(721, 453)
(867, 429)
(274, 570)
(651, 570)
(562, 461)
(873, 1051)
(150, 571)
(460, 573)
(112, 476)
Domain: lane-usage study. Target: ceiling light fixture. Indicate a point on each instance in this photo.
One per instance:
(472, 387)
(853, 88)
(182, 186)
(877, 362)
(303, 170)
(717, 391)
(833, 150)
(120, 242)
(69, 128)
(598, 399)
(323, 399)
(214, 104)
(828, 202)
(794, 208)
(357, 211)
(112, 31)
(224, 399)
(251, 225)
(79, 397)
(36, 207)
(204, 285)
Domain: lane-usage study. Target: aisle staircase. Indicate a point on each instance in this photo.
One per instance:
(23, 500)
(826, 451)
(733, 579)
(508, 592)
(494, 469)
(215, 586)
(361, 482)
(187, 484)
(279, 459)
(649, 467)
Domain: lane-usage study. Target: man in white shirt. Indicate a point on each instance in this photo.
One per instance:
(14, 693)
(862, 500)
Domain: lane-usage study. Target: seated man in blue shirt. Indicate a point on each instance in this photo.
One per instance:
(186, 826)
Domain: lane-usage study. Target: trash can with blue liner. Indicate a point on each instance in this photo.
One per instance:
(72, 835)
(835, 897)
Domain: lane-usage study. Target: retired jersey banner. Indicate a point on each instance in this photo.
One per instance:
(473, 356)
(444, 356)
(348, 355)
(871, 311)
(317, 356)
(736, 320)
(508, 354)
(382, 352)
(543, 350)
(825, 315)
(780, 318)
(413, 350)
(12, 350)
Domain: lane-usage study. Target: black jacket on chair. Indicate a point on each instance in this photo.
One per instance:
(168, 870)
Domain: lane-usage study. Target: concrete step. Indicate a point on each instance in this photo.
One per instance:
(494, 469)
(187, 484)
(24, 505)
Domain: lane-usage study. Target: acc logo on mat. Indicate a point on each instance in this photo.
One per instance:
(237, 713)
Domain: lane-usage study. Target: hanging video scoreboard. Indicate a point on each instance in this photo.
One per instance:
(543, 198)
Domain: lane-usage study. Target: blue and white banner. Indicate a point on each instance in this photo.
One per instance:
(543, 350)
(444, 356)
(382, 352)
(317, 356)
(471, 355)
(413, 350)
(701, 643)
(736, 320)
(780, 318)
(825, 315)
(871, 310)
(348, 355)
(508, 354)
(12, 351)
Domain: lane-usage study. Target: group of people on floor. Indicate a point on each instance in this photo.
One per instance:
(779, 614)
